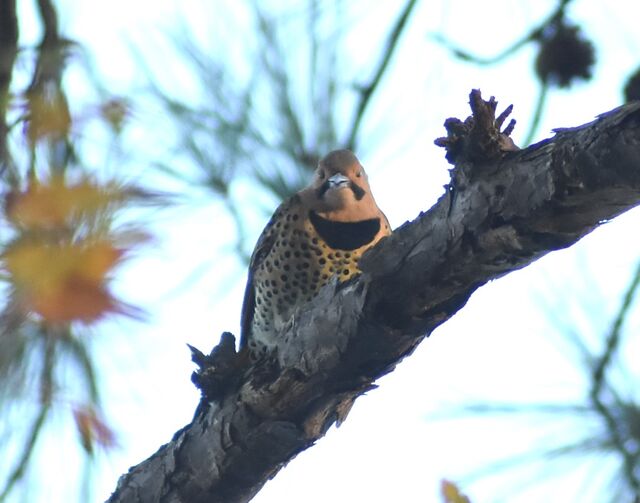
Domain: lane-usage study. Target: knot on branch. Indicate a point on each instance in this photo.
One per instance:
(220, 370)
(478, 140)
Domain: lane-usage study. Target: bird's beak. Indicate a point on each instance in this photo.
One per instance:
(338, 180)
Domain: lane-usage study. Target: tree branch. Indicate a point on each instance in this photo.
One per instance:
(8, 54)
(509, 213)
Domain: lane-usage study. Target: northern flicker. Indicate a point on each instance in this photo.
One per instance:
(320, 232)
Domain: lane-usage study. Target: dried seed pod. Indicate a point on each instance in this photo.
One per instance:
(565, 55)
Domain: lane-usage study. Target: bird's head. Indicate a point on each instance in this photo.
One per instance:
(340, 190)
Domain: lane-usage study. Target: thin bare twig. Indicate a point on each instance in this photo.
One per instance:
(49, 19)
(534, 34)
(46, 386)
(599, 383)
(537, 114)
(366, 91)
(272, 60)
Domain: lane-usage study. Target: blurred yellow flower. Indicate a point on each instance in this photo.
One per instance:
(65, 282)
(56, 203)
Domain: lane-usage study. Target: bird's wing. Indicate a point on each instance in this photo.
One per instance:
(260, 252)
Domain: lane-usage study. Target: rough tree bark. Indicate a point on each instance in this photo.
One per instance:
(504, 209)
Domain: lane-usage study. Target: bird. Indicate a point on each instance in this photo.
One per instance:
(317, 234)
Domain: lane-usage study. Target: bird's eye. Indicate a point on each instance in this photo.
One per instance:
(359, 173)
(321, 175)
